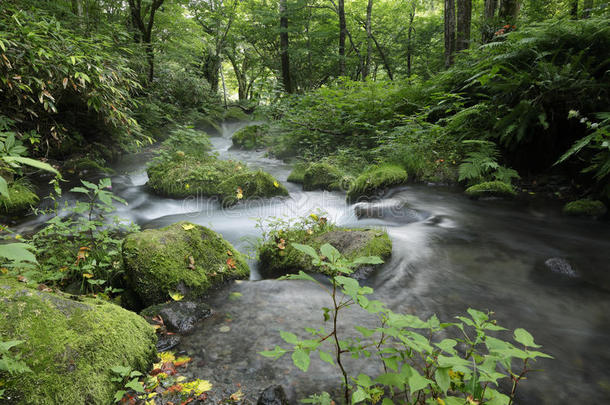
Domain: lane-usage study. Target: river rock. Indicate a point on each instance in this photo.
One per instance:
(182, 258)
(373, 182)
(70, 345)
(389, 209)
(282, 258)
(560, 266)
(273, 395)
(167, 342)
(179, 316)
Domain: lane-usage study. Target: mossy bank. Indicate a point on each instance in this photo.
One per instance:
(70, 345)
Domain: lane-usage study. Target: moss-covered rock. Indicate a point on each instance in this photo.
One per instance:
(491, 189)
(183, 257)
(85, 164)
(21, 197)
(249, 185)
(278, 257)
(251, 137)
(235, 114)
(209, 123)
(184, 175)
(70, 345)
(585, 208)
(322, 176)
(297, 175)
(376, 179)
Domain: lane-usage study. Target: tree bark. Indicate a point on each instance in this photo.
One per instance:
(449, 32)
(369, 41)
(586, 8)
(574, 9)
(384, 58)
(489, 13)
(410, 39)
(284, 56)
(145, 29)
(342, 35)
(509, 10)
(464, 15)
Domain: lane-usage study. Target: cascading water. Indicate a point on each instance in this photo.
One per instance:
(450, 253)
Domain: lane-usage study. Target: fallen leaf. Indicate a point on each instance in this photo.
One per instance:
(22, 279)
(231, 263)
(176, 296)
(87, 275)
(187, 227)
(237, 396)
(229, 253)
(191, 263)
(224, 329)
(276, 184)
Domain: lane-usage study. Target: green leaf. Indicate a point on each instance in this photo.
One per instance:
(330, 252)
(441, 375)
(31, 162)
(301, 276)
(119, 395)
(387, 401)
(3, 187)
(289, 337)
(6, 346)
(89, 185)
(308, 250)
(359, 395)
(392, 380)
(276, 353)
(365, 331)
(300, 358)
(324, 356)
(368, 260)
(79, 190)
(135, 385)
(525, 338)
(17, 252)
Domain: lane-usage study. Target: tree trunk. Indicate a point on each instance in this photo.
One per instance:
(342, 34)
(586, 8)
(464, 15)
(410, 39)
(509, 10)
(145, 30)
(386, 63)
(369, 41)
(489, 14)
(211, 68)
(150, 58)
(449, 32)
(285, 58)
(574, 9)
(77, 7)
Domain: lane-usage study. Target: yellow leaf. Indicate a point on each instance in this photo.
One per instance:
(4, 270)
(187, 227)
(314, 217)
(197, 387)
(18, 237)
(276, 184)
(240, 193)
(187, 186)
(87, 275)
(176, 296)
(237, 396)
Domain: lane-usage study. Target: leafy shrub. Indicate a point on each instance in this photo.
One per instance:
(421, 364)
(481, 164)
(20, 198)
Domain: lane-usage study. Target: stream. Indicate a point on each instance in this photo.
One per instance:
(449, 253)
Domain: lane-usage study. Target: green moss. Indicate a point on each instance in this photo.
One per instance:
(235, 114)
(251, 137)
(209, 123)
(585, 208)
(322, 176)
(297, 175)
(157, 261)
(184, 175)
(352, 243)
(70, 345)
(252, 184)
(20, 198)
(81, 164)
(375, 179)
(491, 189)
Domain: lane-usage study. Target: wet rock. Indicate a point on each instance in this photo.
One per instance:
(273, 395)
(182, 257)
(179, 316)
(560, 266)
(167, 342)
(374, 181)
(389, 209)
(585, 208)
(491, 189)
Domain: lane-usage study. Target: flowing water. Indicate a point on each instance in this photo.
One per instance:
(449, 253)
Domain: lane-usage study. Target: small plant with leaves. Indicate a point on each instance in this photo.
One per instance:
(128, 379)
(418, 363)
(481, 164)
(10, 362)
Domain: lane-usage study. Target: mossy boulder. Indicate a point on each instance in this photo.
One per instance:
(322, 176)
(183, 175)
(585, 208)
(235, 114)
(70, 345)
(376, 180)
(278, 257)
(183, 257)
(491, 189)
(297, 175)
(249, 185)
(85, 164)
(209, 123)
(21, 198)
(251, 137)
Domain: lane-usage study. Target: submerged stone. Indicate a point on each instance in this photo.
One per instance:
(179, 316)
(70, 345)
(182, 258)
(273, 395)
